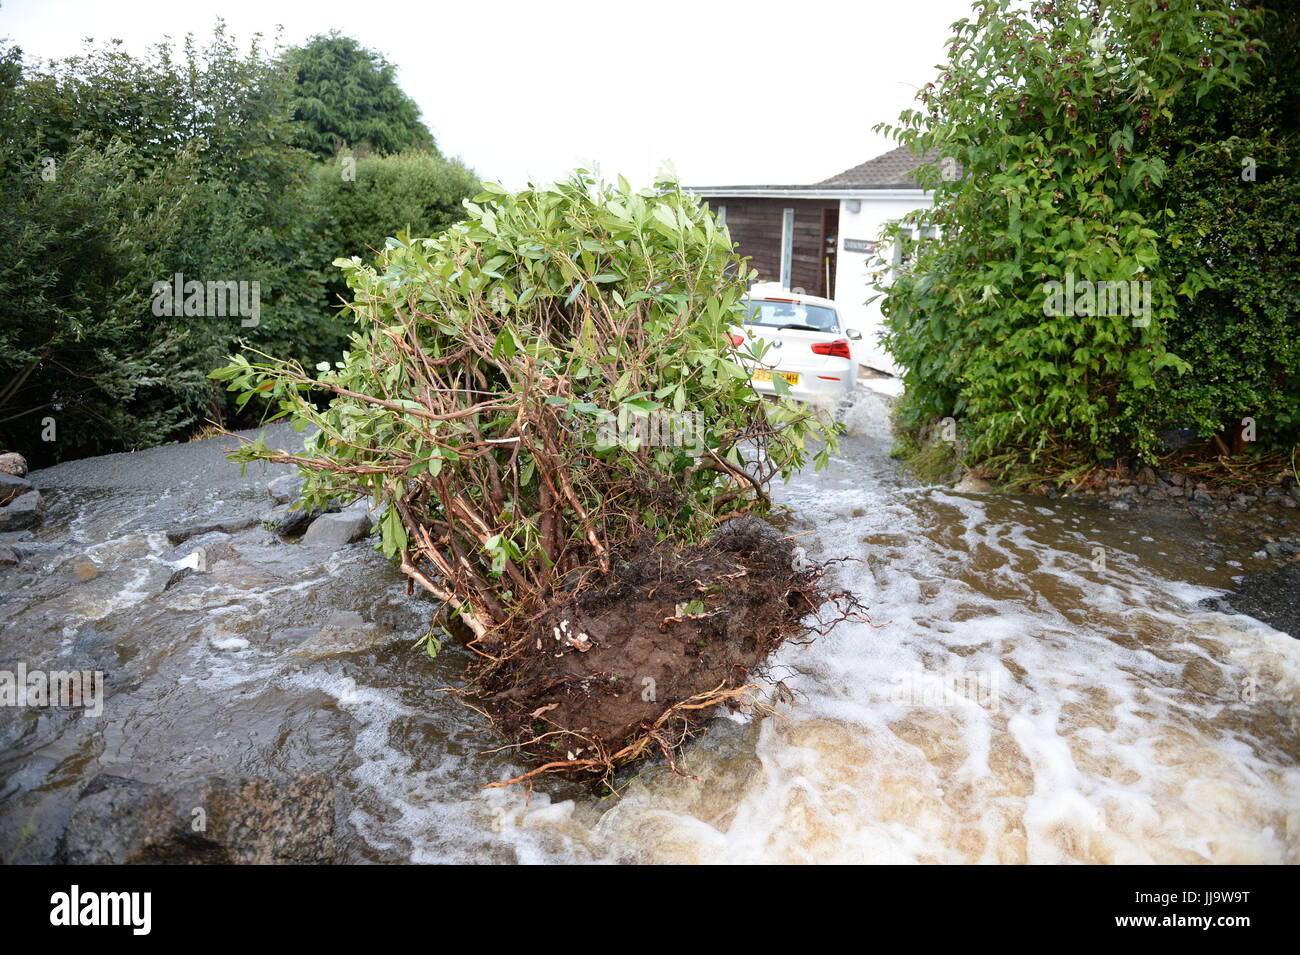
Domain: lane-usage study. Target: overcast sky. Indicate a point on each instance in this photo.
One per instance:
(727, 93)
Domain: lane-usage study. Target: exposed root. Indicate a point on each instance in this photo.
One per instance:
(631, 671)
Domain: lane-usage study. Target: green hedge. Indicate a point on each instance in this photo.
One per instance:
(1075, 129)
(115, 182)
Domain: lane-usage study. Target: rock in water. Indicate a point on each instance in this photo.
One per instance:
(226, 525)
(972, 483)
(11, 462)
(203, 551)
(207, 820)
(11, 486)
(25, 510)
(288, 522)
(335, 530)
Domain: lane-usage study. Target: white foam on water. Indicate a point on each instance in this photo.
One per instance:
(432, 806)
(1127, 726)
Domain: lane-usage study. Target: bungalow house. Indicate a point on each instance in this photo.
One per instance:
(818, 238)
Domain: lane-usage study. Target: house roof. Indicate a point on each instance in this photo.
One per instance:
(893, 170)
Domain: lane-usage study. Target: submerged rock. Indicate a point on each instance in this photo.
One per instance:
(346, 631)
(226, 525)
(202, 551)
(210, 820)
(287, 521)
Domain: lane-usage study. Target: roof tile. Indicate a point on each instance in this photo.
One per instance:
(894, 168)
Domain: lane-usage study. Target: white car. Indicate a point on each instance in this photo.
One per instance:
(806, 345)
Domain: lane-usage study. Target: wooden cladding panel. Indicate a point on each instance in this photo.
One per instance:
(755, 226)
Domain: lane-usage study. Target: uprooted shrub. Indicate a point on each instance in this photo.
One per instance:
(536, 395)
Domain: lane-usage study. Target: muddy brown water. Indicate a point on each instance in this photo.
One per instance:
(1019, 701)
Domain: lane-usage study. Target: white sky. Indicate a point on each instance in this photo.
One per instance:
(728, 93)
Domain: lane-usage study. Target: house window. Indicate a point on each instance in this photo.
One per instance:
(722, 215)
(787, 246)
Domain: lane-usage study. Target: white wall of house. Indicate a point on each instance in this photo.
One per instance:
(853, 285)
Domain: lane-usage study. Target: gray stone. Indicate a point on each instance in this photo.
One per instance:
(285, 488)
(215, 546)
(210, 820)
(9, 556)
(11, 486)
(346, 631)
(26, 510)
(288, 521)
(335, 530)
(226, 525)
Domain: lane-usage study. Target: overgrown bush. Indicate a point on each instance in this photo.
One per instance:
(121, 171)
(1231, 209)
(78, 343)
(506, 389)
(1048, 111)
(363, 202)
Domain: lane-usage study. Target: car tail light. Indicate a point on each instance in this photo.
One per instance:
(737, 340)
(836, 349)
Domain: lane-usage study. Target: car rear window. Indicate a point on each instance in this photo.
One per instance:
(773, 314)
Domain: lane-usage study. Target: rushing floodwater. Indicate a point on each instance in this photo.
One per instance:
(1017, 701)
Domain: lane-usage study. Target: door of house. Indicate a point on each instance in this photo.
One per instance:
(829, 247)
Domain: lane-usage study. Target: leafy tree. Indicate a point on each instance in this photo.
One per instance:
(123, 171)
(77, 339)
(217, 118)
(1049, 112)
(346, 95)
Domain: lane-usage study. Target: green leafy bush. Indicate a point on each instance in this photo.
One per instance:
(363, 202)
(77, 339)
(501, 393)
(1231, 208)
(1048, 112)
(122, 171)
